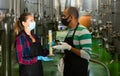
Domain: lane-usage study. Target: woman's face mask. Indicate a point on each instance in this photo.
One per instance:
(64, 21)
(32, 25)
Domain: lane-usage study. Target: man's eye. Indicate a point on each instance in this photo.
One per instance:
(63, 16)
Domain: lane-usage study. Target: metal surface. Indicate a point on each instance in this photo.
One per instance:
(105, 25)
(6, 40)
(6, 52)
(4, 4)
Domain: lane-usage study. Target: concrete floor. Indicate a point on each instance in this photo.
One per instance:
(50, 68)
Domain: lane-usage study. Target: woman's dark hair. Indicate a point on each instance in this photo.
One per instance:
(18, 27)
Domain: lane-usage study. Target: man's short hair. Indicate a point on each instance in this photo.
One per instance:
(73, 11)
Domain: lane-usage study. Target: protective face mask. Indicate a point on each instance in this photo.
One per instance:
(31, 25)
(64, 21)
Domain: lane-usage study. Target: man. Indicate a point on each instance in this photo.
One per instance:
(77, 45)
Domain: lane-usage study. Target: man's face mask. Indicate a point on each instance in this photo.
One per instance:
(31, 25)
(64, 21)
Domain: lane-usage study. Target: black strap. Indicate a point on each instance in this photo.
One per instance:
(75, 30)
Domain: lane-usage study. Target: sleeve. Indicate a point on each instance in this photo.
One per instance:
(19, 51)
(86, 44)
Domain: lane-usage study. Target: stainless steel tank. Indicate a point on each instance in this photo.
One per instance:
(5, 4)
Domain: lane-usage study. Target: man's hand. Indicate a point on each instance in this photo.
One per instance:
(62, 46)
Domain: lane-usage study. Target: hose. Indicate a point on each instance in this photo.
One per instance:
(101, 63)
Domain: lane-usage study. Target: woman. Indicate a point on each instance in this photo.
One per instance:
(28, 47)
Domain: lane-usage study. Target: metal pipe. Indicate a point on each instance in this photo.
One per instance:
(97, 6)
(38, 6)
(78, 4)
(51, 8)
(6, 46)
(15, 9)
(6, 52)
(41, 8)
(58, 9)
(10, 5)
(14, 5)
(67, 3)
(18, 4)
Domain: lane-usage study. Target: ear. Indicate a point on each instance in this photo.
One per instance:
(23, 23)
(70, 18)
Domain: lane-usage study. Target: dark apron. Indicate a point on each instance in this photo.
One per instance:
(31, 70)
(74, 65)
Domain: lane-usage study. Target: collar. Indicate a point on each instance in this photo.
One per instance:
(71, 29)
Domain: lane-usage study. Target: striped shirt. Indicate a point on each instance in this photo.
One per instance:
(82, 39)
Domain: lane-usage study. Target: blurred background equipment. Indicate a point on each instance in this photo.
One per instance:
(85, 19)
(101, 17)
